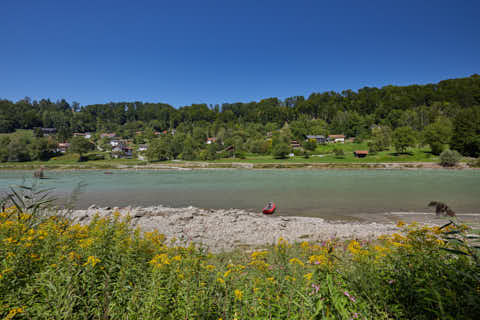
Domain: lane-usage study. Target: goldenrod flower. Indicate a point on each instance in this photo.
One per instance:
(238, 295)
(318, 259)
(304, 245)
(297, 261)
(92, 260)
(210, 267)
(258, 254)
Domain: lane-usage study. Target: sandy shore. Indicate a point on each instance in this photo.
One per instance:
(224, 229)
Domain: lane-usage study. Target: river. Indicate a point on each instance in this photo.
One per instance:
(320, 193)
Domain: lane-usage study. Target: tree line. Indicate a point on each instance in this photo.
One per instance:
(441, 114)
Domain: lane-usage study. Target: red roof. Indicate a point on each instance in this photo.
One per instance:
(336, 136)
(361, 152)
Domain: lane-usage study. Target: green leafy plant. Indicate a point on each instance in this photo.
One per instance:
(450, 158)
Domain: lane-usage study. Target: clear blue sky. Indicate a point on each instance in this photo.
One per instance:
(183, 52)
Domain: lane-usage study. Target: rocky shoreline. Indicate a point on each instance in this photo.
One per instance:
(192, 165)
(226, 229)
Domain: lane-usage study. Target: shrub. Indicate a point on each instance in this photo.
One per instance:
(450, 158)
(280, 150)
(310, 144)
(474, 163)
(339, 153)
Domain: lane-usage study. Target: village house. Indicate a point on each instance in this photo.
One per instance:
(142, 148)
(63, 147)
(336, 138)
(48, 131)
(360, 153)
(108, 135)
(118, 143)
(294, 144)
(122, 151)
(86, 135)
(211, 140)
(317, 138)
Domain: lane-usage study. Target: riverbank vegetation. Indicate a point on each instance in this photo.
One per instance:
(433, 116)
(53, 268)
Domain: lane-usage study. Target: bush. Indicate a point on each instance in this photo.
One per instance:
(240, 154)
(339, 153)
(280, 151)
(310, 144)
(450, 158)
(95, 156)
(474, 163)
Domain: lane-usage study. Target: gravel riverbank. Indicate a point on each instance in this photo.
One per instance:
(225, 229)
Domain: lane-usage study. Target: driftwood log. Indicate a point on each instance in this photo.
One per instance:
(39, 173)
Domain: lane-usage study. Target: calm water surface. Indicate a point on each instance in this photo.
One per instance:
(325, 193)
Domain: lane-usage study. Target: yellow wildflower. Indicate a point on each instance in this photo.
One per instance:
(220, 280)
(160, 260)
(400, 224)
(13, 312)
(9, 240)
(85, 243)
(297, 261)
(260, 264)
(308, 276)
(92, 260)
(238, 295)
(318, 259)
(210, 267)
(288, 278)
(227, 273)
(258, 255)
(354, 247)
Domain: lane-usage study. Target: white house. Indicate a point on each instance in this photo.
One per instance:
(336, 138)
(142, 148)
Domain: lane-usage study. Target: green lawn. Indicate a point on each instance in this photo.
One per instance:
(324, 154)
(71, 160)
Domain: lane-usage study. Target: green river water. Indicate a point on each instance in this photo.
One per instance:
(322, 193)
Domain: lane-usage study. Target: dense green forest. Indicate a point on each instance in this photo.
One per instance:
(441, 114)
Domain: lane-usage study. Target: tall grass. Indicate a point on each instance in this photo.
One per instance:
(55, 269)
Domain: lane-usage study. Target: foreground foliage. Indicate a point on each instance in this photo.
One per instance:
(51, 268)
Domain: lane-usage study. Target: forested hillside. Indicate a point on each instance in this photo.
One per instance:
(426, 109)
